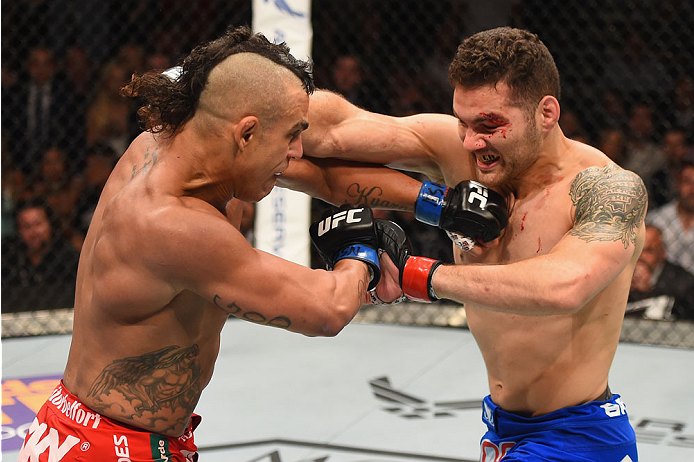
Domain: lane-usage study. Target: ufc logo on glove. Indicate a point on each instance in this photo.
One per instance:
(481, 194)
(470, 210)
(349, 233)
(333, 222)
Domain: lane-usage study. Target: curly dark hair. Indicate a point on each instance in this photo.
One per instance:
(168, 103)
(514, 56)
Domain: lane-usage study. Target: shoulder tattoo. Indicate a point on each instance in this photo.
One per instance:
(610, 204)
(148, 162)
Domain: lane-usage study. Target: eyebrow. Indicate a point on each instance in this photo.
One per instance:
(491, 117)
(303, 125)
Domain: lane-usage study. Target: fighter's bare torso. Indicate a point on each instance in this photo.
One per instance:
(144, 348)
(537, 364)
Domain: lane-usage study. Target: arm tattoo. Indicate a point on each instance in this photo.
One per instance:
(160, 387)
(232, 308)
(370, 197)
(610, 204)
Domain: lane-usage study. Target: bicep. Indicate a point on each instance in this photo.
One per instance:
(415, 143)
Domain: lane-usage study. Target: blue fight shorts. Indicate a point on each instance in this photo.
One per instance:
(598, 431)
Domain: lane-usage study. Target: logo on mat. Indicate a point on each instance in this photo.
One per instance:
(412, 407)
(21, 400)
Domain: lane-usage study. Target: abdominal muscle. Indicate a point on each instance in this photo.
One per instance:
(538, 364)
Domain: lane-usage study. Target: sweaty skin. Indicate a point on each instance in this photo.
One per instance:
(164, 264)
(545, 301)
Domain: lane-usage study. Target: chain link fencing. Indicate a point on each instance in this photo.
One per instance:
(627, 89)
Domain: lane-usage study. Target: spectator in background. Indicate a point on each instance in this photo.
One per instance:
(347, 79)
(14, 191)
(100, 161)
(662, 187)
(59, 188)
(158, 61)
(406, 95)
(111, 118)
(80, 74)
(131, 57)
(612, 112)
(42, 115)
(676, 219)
(613, 144)
(636, 70)
(572, 127)
(38, 268)
(79, 71)
(9, 78)
(683, 111)
(643, 155)
(660, 289)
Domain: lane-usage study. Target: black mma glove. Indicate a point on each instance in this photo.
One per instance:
(415, 272)
(470, 210)
(349, 233)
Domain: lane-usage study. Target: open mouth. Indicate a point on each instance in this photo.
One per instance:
(487, 159)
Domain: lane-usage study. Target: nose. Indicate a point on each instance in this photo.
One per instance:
(296, 149)
(473, 141)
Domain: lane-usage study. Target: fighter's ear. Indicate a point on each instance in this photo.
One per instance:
(549, 112)
(246, 130)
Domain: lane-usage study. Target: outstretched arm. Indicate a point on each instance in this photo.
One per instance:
(416, 143)
(603, 245)
(205, 253)
(340, 182)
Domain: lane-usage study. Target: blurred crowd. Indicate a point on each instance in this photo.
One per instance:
(65, 125)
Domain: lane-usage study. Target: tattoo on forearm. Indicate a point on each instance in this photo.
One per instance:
(370, 197)
(610, 204)
(232, 308)
(149, 160)
(162, 386)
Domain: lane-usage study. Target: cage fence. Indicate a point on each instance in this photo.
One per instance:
(626, 72)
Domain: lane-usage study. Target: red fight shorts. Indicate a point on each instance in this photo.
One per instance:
(66, 430)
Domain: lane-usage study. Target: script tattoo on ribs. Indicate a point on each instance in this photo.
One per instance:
(156, 390)
(610, 204)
